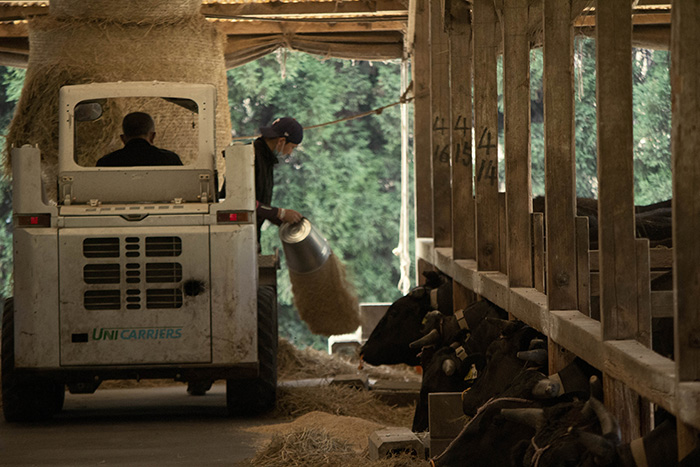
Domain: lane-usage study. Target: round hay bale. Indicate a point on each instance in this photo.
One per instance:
(70, 50)
(325, 299)
(125, 10)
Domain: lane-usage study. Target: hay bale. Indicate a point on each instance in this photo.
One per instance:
(109, 42)
(125, 10)
(325, 299)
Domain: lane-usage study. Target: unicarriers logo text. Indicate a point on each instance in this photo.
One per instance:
(113, 334)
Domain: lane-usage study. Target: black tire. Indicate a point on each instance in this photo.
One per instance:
(255, 396)
(24, 398)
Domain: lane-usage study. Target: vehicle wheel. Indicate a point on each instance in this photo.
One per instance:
(198, 388)
(24, 399)
(254, 396)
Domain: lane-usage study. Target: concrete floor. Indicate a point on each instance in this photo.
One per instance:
(135, 427)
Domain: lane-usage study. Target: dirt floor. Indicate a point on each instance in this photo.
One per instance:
(322, 424)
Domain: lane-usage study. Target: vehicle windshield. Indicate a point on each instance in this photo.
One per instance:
(98, 126)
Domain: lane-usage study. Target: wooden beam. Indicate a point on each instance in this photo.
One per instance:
(616, 225)
(230, 10)
(516, 95)
(460, 43)
(441, 126)
(560, 197)
(234, 28)
(486, 132)
(422, 123)
(685, 141)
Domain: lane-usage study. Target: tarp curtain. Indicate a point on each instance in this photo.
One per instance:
(240, 50)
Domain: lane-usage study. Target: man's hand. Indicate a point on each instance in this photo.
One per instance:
(290, 216)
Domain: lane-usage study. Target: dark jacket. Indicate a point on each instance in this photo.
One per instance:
(265, 161)
(138, 152)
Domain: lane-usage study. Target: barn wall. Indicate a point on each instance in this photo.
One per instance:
(618, 341)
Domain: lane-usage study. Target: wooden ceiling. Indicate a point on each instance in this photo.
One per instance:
(330, 17)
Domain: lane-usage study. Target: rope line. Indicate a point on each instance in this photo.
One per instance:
(404, 99)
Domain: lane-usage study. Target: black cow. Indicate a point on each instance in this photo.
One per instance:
(502, 365)
(587, 435)
(454, 351)
(388, 343)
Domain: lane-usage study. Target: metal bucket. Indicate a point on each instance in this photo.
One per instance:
(304, 247)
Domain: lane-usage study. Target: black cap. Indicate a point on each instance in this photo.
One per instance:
(287, 128)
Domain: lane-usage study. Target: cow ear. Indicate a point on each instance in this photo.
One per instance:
(432, 279)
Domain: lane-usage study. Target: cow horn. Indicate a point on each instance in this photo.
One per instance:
(546, 389)
(609, 426)
(429, 339)
(537, 356)
(449, 366)
(603, 450)
(533, 417)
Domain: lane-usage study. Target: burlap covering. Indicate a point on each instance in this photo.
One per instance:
(74, 50)
(326, 300)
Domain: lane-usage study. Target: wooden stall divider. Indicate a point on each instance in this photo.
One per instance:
(538, 257)
(582, 265)
(516, 103)
(441, 126)
(560, 197)
(423, 191)
(458, 20)
(484, 26)
(685, 141)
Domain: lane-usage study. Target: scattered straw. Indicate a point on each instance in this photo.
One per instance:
(310, 447)
(293, 363)
(326, 300)
(341, 400)
(352, 430)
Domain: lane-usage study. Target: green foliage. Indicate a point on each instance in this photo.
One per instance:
(652, 126)
(12, 81)
(344, 177)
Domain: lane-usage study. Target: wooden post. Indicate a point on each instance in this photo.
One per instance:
(421, 122)
(460, 38)
(516, 84)
(616, 229)
(685, 141)
(441, 126)
(502, 234)
(560, 198)
(583, 266)
(486, 133)
(616, 225)
(538, 251)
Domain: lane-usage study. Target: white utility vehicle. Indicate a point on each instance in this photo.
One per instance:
(137, 272)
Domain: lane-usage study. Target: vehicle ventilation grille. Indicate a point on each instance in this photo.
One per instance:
(102, 300)
(163, 246)
(101, 274)
(163, 298)
(163, 272)
(101, 247)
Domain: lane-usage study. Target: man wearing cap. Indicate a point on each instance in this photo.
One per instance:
(278, 139)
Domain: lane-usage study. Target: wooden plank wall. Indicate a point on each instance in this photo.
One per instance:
(549, 275)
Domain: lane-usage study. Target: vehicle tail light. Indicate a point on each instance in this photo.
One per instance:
(33, 220)
(233, 217)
